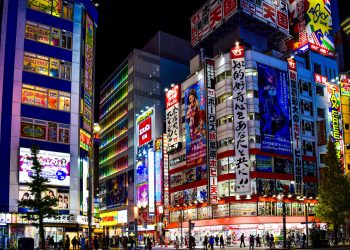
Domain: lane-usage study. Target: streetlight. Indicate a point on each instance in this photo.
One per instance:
(307, 205)
(280, 198)
(96, 129)
(136, 216)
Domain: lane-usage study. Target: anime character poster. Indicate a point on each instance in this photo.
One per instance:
(195, 123)
(274, 111)
(142, 195)
(55, 166)
(116, 195)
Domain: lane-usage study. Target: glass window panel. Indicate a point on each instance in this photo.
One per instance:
(28, 96)
(40, 5)
(31, 31)
(57, 8)
(52, 132)
(43, 34)
(53, 99)
(55, 37)
(29, 64)
(40, 99)
(42, 66)
(39, 131)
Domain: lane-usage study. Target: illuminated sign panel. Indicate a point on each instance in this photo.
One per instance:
(311, 26)
(145, 131)
(172, 122)
(55, 166)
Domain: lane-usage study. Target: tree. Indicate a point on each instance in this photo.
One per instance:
(334, 192)
(40, 205)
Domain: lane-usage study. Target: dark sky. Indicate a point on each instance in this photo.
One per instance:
(127, 24)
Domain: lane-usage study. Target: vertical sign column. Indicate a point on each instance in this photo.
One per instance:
(240, 121)
(211, 116)
(165, 171)
(172, 123)
(295, 112)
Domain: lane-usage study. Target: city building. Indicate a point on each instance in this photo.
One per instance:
(256, 113)
(131, 108)
(46, 98)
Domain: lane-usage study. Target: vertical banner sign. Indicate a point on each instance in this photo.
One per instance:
(88, 82)
(172, 102)
(345, 85)
(240, 120)
(295, 112)
(158, 170)
(211, 117)
(335, 122)
(165, 171)
(151, 182)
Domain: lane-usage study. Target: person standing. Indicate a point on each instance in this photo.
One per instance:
(177, 243)
(242, 240)
(222, 242)
(51, 243)
(74, 242)
(258, 241)
(96, 245)
(67, 243)
(217, 240)
(82, 242)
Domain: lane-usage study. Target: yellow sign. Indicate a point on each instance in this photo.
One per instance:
(109, 219)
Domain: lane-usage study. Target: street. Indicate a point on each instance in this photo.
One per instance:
(232, 248)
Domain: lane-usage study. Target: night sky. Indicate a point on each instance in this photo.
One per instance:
(126, 24)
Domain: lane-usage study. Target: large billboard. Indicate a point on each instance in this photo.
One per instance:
(274, 110)
(311, 26)
(172, 123)
(145, 131)
(345, 85)
(55, 166)
(274, 13)
(209, 17)
(240, 120)
(195, 116)
(117, 191)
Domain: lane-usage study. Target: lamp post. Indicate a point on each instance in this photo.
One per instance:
(307, 222)
(136, 216)
(96, 129)
(280, 198)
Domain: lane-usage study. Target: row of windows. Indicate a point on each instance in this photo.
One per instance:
(45, 98)
(47, 66)
(112, 168)
(114, 150)
(114, 133)
(121, 77)
(57, 8)
(48, 35)
(113, 117)
(44, 130)
(116, 99)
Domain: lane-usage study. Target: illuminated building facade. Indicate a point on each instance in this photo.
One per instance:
(272, 119)
(46, 98)
(131, 106)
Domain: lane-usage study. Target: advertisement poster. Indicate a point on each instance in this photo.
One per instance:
(335, 121)
(266, 187)
(243, 209)
(202, 193)
(131, 186)
(274, 110)
(56, 166)
(145, 131)
(345, 85)
(311, 26)
(117, 191)
(190, 195)
(142, 195)
(141, 172)
(172, 123)
(195, 116)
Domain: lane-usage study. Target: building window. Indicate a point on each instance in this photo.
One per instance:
(58, 8)
(317, 68)
(47, 66)
(45, 98)
(305, 87)
(45, 130)
(320, 113)
(319, 90)
(347, 126)
(48, 35)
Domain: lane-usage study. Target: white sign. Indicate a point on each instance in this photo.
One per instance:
(240, 121)
(151, 183)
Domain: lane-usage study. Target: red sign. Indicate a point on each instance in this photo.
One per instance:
(172, 96)
(320, 79)
(145, 131)
(237, 52)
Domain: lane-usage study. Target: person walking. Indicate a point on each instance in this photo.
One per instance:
(258, 241)
(304, 239)
(51, 243)
(217, 240)
(205, 242)
(67, 243)
(82, 242)
(242, 240)
(211, 242)
(177, 243)
(251, 241)
(272, 239)
(222, 242)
